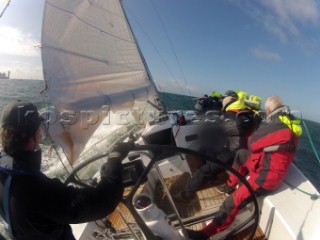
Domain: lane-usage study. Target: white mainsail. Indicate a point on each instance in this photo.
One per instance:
(91, 64)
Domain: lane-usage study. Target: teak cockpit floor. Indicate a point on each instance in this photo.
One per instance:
(207, 200)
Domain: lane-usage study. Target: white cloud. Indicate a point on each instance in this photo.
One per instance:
(263, 53)
(289, 11)
(20, 53)
(17, 43)
(287, 15)
(283, 18)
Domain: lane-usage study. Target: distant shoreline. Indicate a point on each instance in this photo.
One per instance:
(21, 79)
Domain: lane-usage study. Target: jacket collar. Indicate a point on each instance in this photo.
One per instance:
(283, 109)
(28, 160)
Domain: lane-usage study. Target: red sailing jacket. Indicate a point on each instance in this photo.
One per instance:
(269, 167)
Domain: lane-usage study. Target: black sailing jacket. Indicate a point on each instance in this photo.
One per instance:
(43, 208)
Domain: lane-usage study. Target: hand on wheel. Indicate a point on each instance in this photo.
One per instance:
(120, 151)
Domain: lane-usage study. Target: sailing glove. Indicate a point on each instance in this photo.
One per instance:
(112, 168)
(120, 151)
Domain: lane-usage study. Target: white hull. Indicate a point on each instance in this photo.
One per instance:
(288, 214)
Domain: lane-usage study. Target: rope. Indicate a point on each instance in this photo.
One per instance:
(172, 47)
(157, 50)
(47, 104)
(312, 196)
(311, 142)
(176, 134)
(5, 8)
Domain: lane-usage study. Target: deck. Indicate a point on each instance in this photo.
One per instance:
(207, 200)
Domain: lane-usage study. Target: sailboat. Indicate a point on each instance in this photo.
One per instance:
(102, 92)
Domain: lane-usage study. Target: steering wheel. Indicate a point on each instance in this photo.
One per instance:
(159, 152)
(74, 178)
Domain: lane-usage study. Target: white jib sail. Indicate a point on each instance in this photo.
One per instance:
(91, 64)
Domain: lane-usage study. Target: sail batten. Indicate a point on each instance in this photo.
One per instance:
(90, 60)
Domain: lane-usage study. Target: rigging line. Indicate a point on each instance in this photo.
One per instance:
(53, 144)
(313, 196)
(5, 8)
(174, 52)
(154, 46)
(311, 142)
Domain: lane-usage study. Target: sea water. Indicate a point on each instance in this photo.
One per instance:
(305, 158)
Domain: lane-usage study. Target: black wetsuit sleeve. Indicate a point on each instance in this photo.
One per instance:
(66, 204)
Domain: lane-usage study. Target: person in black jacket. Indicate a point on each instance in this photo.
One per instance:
(40, 207)
(237, 123)
(209, 103)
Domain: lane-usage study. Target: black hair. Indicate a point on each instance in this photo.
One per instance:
(14, 140)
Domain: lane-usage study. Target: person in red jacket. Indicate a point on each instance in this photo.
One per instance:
(271, 150)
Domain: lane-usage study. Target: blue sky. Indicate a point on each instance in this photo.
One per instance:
(265, 47)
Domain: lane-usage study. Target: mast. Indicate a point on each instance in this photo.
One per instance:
(142, 57)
